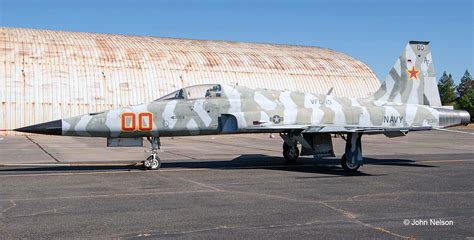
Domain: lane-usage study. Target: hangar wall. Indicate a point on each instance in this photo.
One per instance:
(47, 75)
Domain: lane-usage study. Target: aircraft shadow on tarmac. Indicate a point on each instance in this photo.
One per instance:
(328, 166)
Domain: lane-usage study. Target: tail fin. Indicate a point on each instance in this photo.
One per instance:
(412, 79)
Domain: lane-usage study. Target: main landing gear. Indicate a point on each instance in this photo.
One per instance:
(349, 166)
(320, 145)
(291, 152)
(352, 158)
(153, 161)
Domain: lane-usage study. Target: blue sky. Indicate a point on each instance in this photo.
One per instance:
(374, 31)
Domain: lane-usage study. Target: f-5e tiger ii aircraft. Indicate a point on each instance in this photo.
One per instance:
(407, 101)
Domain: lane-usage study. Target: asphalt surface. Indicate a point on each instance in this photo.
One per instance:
(236, 187)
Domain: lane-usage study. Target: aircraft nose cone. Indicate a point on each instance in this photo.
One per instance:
(50, 128)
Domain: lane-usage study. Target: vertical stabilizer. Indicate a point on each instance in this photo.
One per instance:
(412, 79)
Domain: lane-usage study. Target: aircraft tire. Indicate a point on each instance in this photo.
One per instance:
(348, 167)
(291, 154)
(152, 163)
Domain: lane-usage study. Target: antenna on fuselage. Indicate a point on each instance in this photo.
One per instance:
(330, 91)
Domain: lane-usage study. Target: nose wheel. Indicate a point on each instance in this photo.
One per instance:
(153, 161)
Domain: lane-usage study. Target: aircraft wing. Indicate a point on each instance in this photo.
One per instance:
(388, 131)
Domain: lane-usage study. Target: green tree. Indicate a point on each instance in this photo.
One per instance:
(466, 102)
(465, 85)
(446, 89)
(466, 94)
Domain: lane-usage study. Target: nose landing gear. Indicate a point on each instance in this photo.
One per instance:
(153, 161)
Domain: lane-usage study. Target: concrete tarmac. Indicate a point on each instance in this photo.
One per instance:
(236, 187)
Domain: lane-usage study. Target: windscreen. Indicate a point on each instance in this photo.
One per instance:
(174, 95)
(194, 92)
(203, 91)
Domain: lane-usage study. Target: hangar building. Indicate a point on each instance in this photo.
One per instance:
(47, 75)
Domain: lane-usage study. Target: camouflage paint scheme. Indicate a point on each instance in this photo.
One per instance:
(408, 100)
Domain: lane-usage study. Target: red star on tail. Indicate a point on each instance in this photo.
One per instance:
(413, 73)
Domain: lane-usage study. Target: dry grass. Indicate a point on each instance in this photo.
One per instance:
(469, 126)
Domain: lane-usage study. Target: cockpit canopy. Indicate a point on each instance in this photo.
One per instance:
(194, 92)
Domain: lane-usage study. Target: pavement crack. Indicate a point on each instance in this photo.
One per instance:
(181, 155)
(51, 211)
(347, 214)
(44, 150)
(13, 204)
(112, 195)
(200, 184)
(157, 234)
(392, 194)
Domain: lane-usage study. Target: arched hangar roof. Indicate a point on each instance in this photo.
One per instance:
(46, 75)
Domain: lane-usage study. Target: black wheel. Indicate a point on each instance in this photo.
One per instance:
(290, 153)
(152, 162)
(348, 166)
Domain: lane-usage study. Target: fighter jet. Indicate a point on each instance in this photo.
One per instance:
(408, 100)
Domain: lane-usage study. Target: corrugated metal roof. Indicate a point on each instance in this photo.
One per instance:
(47, 75)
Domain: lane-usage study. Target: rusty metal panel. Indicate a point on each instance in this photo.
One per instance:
(47, 75)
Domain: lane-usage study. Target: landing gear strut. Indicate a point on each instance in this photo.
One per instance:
(153, 161)
(352, 158)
